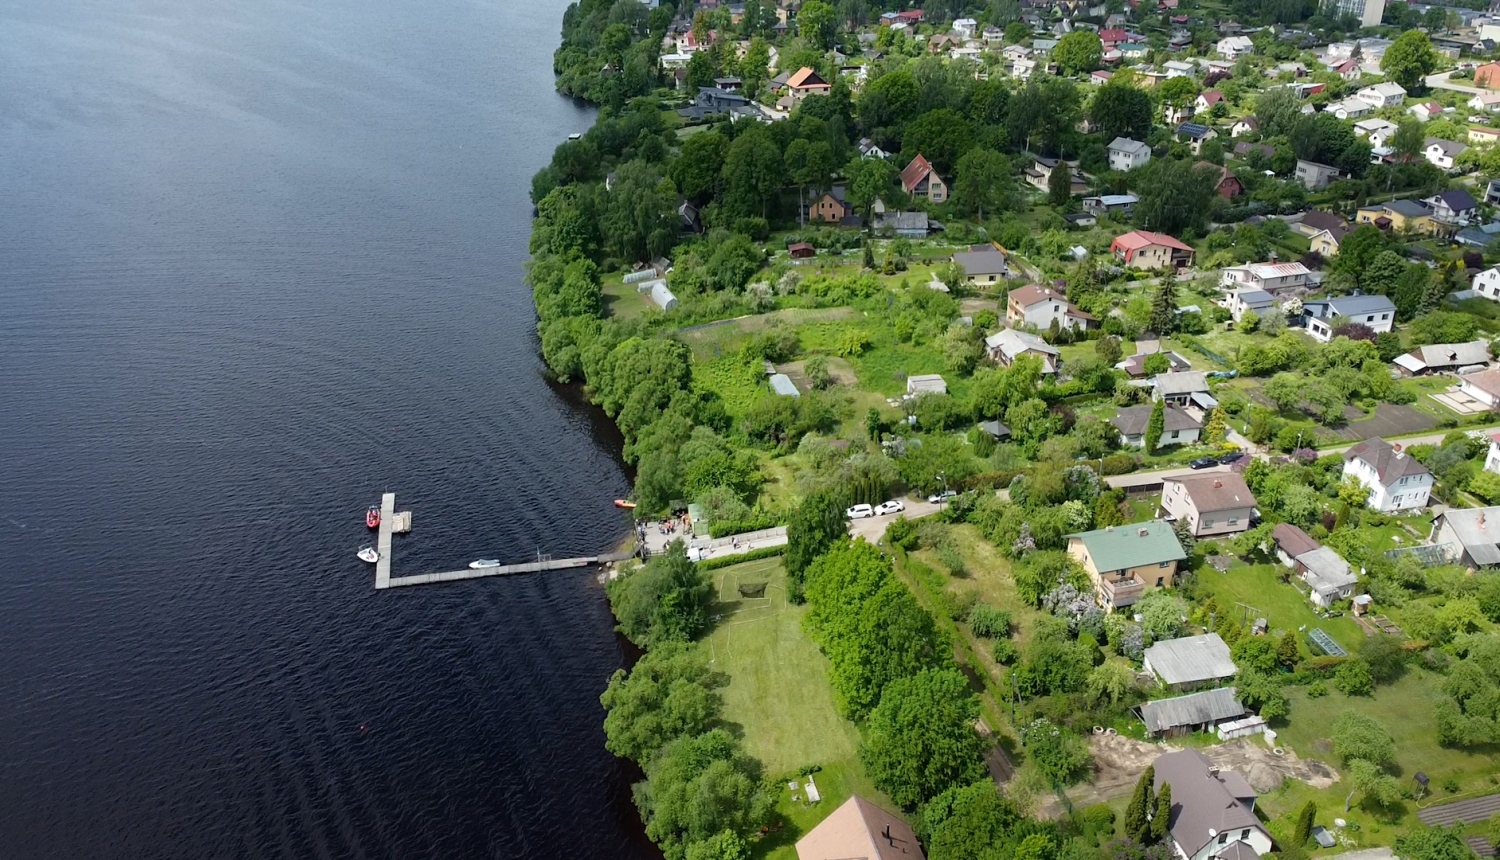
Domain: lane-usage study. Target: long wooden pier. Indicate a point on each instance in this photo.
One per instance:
(383, 578)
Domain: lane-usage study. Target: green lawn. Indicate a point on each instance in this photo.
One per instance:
(1281, 604)
(779, 700)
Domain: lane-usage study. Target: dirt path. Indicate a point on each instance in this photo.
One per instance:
(1119, 761)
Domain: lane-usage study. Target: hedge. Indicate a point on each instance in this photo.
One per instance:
(752, 555)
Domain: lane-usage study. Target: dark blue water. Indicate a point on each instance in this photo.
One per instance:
(259, 261)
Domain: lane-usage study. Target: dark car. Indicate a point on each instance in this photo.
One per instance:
(1204, 463)
(1231, 459)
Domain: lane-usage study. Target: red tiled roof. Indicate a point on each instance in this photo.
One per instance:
(1138, 239)
(1213, 97)
(915, 173)
(805, 78)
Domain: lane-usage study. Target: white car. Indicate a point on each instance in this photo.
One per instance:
(938, 498)
(891, 507)
(860, 512)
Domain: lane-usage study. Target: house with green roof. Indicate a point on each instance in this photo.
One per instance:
(1125, 561)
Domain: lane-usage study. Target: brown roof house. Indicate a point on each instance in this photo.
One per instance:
(1217, 503)
(1042, 306)
(860, 829)
(806, 82)
(1213, 811)
(920, 179)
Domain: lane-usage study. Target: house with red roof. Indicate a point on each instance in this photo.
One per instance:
(806, 82)
(920, 179)
(1143, 249)
(1207, 99)
(1039, 306)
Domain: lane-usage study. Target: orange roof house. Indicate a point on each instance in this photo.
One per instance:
(1142, 249)
(920, 179)
(860, 829)
(806, 82)
(1487, 76)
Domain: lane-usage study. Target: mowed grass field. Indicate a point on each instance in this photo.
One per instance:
(780, 702)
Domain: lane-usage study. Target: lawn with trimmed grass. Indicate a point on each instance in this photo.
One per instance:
(1280, 603)
(779, 701)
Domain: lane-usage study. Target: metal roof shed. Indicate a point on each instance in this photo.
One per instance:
(1196, 709)
(1190, 660)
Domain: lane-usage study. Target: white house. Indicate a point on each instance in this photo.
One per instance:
(1007, 345)
(965, 28)
(1487, 284)
(1453, 207)
(1441, 153)
(1271, 277)
(1315, 176)
(1250, 300)
(1214, 503)
(1427, 111)
(1350, 108)
(1483, 387)
(1126, 154)
(1244, 126)
(1373, 126)
(1234, 47)
(1179, 427)
(1329, 578)
(1492, 459)
(1041, 307)
(1388, 94)
(1377, 312)
(1213, 810)
(1486, 101)
(1178, 69)
(1396, 481)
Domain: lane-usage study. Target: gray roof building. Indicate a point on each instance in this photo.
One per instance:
(1325, 572)
(1209, 805)
(1476, 530)
(1444, 356)
(1180, 383)
(984, 262)
(1194, 709)
(1348, 306)
(1132, 420)
(1389, 464)
(1408, 208)
(1190, 660)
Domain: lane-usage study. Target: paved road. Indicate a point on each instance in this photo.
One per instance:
(1471, 811)
(873, 528)
(1137, 479)
(1440, 81)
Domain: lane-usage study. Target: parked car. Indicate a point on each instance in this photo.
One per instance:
(860, 512)
(939, 498)
(890, 507)
(1204, 463)
(1231, 459)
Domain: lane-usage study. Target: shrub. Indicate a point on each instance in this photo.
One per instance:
(1118, 464)
(989, 621)
(1317, 690)
(1099, 820)
(1353, 678)
(1005, 652)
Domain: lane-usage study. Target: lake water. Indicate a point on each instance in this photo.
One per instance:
(261, 260)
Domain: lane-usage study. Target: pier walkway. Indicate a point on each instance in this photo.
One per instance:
(388, 524)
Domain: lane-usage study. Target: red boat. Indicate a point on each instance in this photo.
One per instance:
(372, 517)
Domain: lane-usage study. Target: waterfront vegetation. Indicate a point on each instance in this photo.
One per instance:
(967, 643)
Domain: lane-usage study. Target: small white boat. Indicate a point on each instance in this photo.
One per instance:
(368, 554)
(577, 135)
(485, 562)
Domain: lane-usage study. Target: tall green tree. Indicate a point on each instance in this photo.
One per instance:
(1121, 110)
(1060, 185)
(1174, 196)
(1357, 736)
(816, 524)
(665, 601)
(1155, 426)
(1162, 816)
(1163, 320)
(668, 694)
(983, 181)
(1305, 820)
(920, 739)
(869, 179)
(1078, 51)
(1409, 59)
(1142, 803)
(817, 23)
(753, 172)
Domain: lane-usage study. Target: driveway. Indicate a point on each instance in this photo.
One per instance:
(1152, 480)
(1440, 81)
(873, 528)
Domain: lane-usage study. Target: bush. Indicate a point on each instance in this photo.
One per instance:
(1317, 690)
(1005, 652)
(1354, 679)
(1099, 820)
(1118, 464)
(989, 622)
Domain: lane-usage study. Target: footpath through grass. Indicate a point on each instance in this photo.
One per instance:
(780, 702)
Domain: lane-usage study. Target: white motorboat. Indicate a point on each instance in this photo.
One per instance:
(368, 554)
(485, 562)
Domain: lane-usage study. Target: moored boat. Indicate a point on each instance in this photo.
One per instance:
(485, 562)
(369, 554)
(623, 503)
(372, 517)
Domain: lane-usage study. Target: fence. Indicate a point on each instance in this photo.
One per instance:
(1197, 346)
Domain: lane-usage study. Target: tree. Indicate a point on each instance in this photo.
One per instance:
(753, 172)
(1058, 753)
(920, 739)
(1369, 780)
(1108, 348)
(1078, 51)
(1409, 139)
(1060, 183)
(983, 181)
(1216, 430)
(1164, 306)
(1121, 110)
(1432, 843)
(1155, 425)
(1163, 813)
(1356, 736)
(725, 845)
(670, 693)
(665, 601)
(942, 136)
(1142, 804)
(1178, 92)
(1305, 821)
(817, 23)
(1409, 59)
(696, 172)
(869, 179)
(1174, 196)
(1110, 682)
(1353, 678)
(1256, 653)
(816, 524)
(698, 787)
(1287, 653)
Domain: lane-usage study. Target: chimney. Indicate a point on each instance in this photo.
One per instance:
(1143, 532)
(890, 840)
